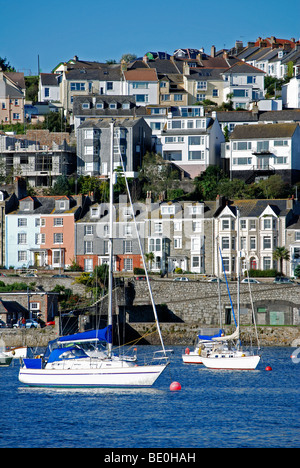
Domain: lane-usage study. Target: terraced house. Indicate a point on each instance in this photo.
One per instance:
(41, 232)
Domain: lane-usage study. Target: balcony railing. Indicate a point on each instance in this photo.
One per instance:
(263, 167)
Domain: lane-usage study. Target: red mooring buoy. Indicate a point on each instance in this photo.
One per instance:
(187, 350)
(175, 386)
(268, 368)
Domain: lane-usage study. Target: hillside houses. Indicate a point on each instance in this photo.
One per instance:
(176, 105)
(57, 231)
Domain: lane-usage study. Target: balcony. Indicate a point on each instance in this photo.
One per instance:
(261, 152)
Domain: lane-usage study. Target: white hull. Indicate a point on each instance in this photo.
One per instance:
(192, 358)
(137, 376)
(17, 353)
(232, 363)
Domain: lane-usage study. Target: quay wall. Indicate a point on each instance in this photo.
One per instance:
(186, 307)
(173, 334)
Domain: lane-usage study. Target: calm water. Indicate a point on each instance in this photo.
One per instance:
(213, 409)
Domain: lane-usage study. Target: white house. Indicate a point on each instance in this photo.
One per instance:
(243, 84)
(48, 88)
(191, 140)
(291, 93)
(258, 151)
(143, 84)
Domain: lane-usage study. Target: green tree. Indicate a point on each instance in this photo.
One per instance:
(128, 57)
(273, 187)
(90, 184)
(54, 122)
(297, 271)
(150, 258)
(5, 66)
(157, 175)
(61, 186)
(208, 182)
(280, 254)
(32, 88)
(234, 189)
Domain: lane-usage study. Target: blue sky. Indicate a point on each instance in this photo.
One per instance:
(106, 29)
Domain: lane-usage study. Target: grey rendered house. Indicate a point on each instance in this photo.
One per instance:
(92, 236)
(132, 139)
(97, 107)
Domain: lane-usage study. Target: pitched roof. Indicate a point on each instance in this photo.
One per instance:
(258, 131)
(255, 208)
(17, 78)
(242, 67)
(49, 79)
(141, 74)
(108, 73)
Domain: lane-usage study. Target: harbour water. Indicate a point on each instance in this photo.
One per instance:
(223, 409)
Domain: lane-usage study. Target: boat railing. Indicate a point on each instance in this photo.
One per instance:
(161, 356)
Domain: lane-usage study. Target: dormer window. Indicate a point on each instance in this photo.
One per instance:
(113, 105)
(61, 205)
(26, 205)
(126, 105)
(85, 105)
(94, 212)
(168, 210)
(99, 105)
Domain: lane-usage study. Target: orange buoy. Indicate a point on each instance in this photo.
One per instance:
(268, 368)
(187, 350)
(175, 386)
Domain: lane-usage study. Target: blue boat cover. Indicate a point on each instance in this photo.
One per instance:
(33, 363)
(210, 337)
(72, 352)
(93, 335)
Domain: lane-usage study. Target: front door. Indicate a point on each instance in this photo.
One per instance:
(263, 162)
(276, 318)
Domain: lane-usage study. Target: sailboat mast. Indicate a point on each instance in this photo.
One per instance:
(110, 240)
(238, 262)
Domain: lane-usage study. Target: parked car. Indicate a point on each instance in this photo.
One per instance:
(31, 323)
(250, 280)
(181, 278)
(48, 324)
(27, 275)
(282, 280)
(2, 274)
(61, 276)
(2, 324)
(141, 278)
(215, 280)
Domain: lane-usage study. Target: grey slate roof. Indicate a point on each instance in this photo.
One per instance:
(93, 100)
(109, 73)
(105, 123)
(49, 79)
(282, 130)
(242, 67)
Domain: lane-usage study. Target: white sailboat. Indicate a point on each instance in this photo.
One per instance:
(203, 346)
(71, 366)
(227, 352)
(204, 340)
